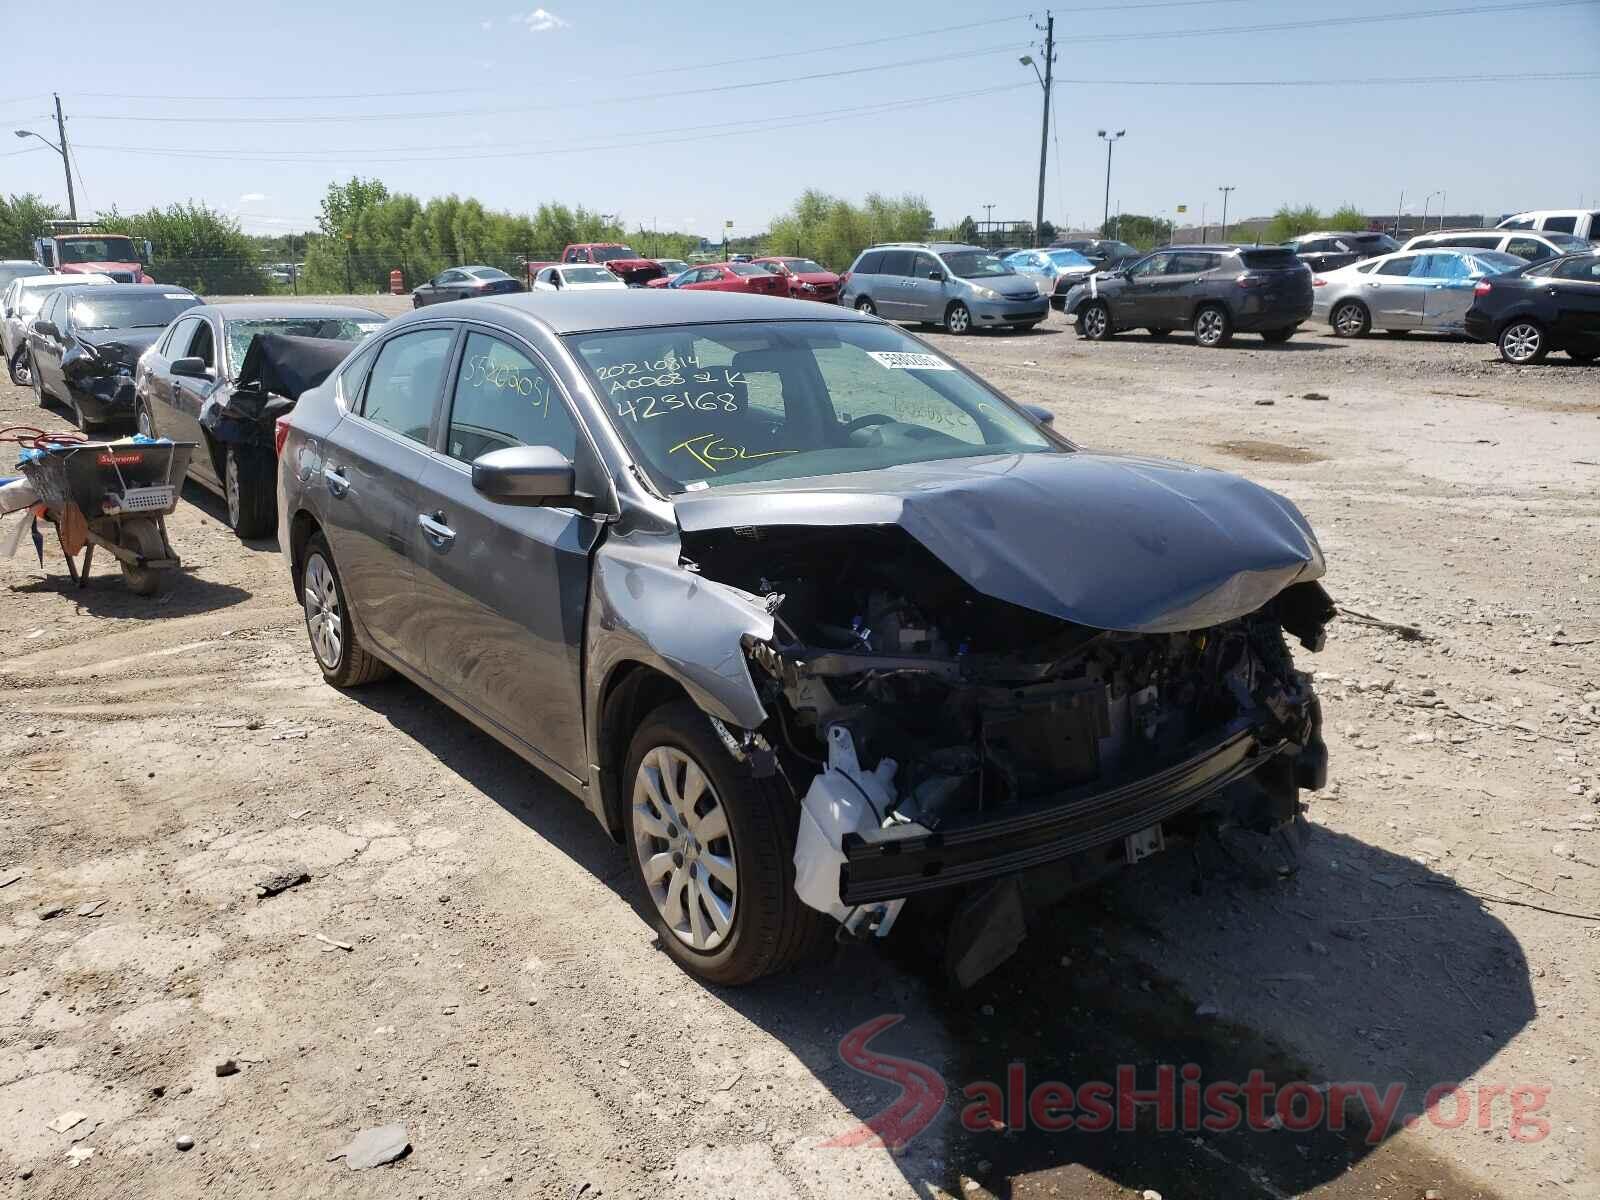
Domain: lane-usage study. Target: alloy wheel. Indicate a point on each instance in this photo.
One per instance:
(1521, 342)
(324, 618)
(142, 421)
(1349, 320)
(1094, 321)
(1208, 328)
(864, 305)
(959, 319)
(685, 848)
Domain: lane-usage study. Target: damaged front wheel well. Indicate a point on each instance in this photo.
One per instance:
(632, 693)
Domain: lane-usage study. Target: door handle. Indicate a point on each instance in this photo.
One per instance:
(338, 485)
(440, 534)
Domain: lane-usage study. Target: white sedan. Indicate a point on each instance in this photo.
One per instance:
(20, 305)
(577, 277)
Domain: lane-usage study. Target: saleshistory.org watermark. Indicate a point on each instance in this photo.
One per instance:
(1179, 1096)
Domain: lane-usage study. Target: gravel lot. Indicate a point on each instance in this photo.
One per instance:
(502, 998)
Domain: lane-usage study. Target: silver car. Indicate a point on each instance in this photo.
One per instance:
(1425, 289)
(19, 304)
(810, 617)
(958, 287)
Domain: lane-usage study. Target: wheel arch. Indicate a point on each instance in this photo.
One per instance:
(1211, 302)
(631, 692)
(301, 527)
(1346, 300)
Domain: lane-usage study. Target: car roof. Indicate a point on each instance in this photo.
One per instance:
(19, 262)
(266, 310)
(1372, 233)
(1551, 212)
(86, 279)
(138, 289)
(631, 308)
(937, 247)
(1480, 229)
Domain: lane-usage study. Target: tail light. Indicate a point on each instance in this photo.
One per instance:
(280, 435)
(1482, 289)
(1247, 280)
(1318, 281)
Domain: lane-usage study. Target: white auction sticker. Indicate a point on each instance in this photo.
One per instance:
(896, 360)
(176, 296)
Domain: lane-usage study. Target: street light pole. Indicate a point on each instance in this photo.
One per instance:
(1045, 82)
(61, 149)
(1110, 140)
(988, 225)
(1225, 191)
(1426, 200)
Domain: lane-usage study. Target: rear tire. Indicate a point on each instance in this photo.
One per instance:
(1350, 319)
(337, 647)
(1213, 327)
(1523, 342)
(1094, 321)
(21, 371)
(735, 818)
(248, 486)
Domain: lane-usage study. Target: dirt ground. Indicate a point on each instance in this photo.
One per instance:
(467, 959)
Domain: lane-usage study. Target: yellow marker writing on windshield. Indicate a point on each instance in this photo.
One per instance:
(708, 449)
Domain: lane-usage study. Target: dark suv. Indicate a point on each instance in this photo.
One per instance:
(1330, 251)
(1215, 290)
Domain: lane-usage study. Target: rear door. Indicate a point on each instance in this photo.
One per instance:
(45, 349)
(372, 461)
(922, 294)
(501, 588)
(1449, 293)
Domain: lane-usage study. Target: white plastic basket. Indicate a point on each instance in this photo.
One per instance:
(157, 499)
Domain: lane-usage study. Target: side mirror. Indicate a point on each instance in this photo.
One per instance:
(936, 276)
(533, 475)
(193, 367)
(148, 252)
(1039, 413)
(46, 329)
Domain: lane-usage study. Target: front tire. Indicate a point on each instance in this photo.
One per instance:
(85, 425)
(1094, 321)
(712, 849)
(247, 484)
(1350, 319)
(1523, 342)
(143, 422)
(344, 660)
(864, 305)
(958, 319)
(1213, 328)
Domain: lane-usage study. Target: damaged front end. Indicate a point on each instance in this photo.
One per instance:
(956, 737)
(100, 376)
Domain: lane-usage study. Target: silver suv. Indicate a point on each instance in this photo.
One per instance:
(958, 287)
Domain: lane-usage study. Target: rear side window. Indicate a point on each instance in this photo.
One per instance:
(353, 376)
(1400, 266)
(178, 337)
(1269, 259)
(1561, 224)
(405, 382)
(503, 398)
(896, 262)
(870, 263)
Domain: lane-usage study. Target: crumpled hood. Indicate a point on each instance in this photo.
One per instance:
(121, 346)
(1109, 541)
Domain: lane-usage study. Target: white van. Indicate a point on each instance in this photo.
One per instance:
(1579, 221)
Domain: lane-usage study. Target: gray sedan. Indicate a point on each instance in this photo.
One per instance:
(811, 618)
(1425, 289)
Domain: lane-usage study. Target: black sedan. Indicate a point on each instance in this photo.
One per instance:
(1553, 305)
(86, 342)
(464, 283)
(193, 387)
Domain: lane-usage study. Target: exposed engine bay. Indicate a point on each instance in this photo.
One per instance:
(930, 711)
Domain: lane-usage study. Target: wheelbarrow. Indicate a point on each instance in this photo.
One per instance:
(122, 491)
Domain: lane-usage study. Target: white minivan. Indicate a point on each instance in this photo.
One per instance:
(1578, 221)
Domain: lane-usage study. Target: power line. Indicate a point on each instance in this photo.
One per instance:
(765, 125)
(322, 119)
(194, 96)
(1395, 80)
(1323, 22)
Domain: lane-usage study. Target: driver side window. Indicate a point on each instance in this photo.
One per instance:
(1400, 266)
(502, 397)
(203, 346)
(1156, 264)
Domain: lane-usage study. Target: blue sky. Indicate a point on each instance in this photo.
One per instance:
(610, 105)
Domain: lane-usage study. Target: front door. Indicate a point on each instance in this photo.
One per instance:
(189, 396)
(1145, 298)
(1575, 285)
(1393, 295)
(1449, 293)
(45, 351)
(370, 468)
(501, 588)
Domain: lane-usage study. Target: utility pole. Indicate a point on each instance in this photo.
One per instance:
(66, 162)
(1225, 191)
(1044, 123)
(1444, 198)
(1110, 140)
(1205, 225)
(1398, 212)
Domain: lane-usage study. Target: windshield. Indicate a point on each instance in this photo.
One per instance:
(486, 273)
(1068, 258)
(1566, 241)
(152, 310)
(1497, 261)
(975, 264)
(102, 249)
(611, 253)
(589, 275)
(240, 334)
(672, 265)
(1376, 243)
(707, 405)
(804, 266)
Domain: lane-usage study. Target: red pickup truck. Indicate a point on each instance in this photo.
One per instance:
(623, 261)
(75, 251)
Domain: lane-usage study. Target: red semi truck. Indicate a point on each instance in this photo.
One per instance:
(79, 248)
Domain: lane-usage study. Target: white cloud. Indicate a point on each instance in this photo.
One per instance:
(252, 197)
(540, 20)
